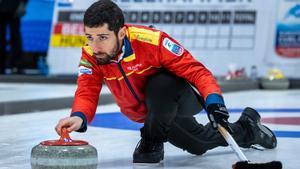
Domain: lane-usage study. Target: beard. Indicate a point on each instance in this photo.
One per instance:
(105, 58)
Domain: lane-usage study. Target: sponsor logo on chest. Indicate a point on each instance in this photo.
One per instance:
(134, 67)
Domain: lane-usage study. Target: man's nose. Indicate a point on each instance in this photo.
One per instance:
(96, 49)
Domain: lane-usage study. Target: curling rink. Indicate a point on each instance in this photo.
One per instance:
(115, 137)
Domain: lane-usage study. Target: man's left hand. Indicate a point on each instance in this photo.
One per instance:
(218, 114)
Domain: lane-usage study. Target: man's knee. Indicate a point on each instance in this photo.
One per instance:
(162, 94)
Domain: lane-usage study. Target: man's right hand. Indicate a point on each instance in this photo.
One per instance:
(71, 123)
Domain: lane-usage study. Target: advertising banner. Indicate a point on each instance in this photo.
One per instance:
(288, 29)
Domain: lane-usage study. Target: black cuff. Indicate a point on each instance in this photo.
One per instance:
(83, 127)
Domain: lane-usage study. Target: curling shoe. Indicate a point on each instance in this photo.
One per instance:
(257, 133)
(148, 152)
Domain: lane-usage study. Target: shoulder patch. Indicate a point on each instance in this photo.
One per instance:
(144, 35)
(172, 47)
(84, 70)
(88, 50)
(85, 62)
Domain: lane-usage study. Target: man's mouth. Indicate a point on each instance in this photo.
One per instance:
(99, 55)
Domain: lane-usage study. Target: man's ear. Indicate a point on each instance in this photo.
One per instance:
(122, 32)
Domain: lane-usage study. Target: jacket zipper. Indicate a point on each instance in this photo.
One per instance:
(128, 83)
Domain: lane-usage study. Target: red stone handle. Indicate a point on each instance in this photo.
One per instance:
(64, 136)
(64, 140)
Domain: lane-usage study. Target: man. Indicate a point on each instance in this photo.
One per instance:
(150, 76)
(11, 12)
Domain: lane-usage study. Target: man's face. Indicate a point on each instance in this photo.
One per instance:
(103, 42)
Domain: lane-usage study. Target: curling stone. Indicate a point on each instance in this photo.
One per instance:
(64, 153)
(275, 80)
(275, 84)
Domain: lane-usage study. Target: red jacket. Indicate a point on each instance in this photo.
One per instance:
(146, 51)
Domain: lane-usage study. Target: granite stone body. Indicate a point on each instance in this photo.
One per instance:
(64, 157)
(275, 84)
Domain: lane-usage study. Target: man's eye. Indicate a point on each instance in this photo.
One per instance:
(89, 39)
(101, 38)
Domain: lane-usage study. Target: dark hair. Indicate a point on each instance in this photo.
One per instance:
(104, 11)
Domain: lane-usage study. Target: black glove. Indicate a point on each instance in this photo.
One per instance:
(218, 114)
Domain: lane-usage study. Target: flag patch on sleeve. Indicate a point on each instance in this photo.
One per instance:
(85, 62)
(172, 47)
(84, 70)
